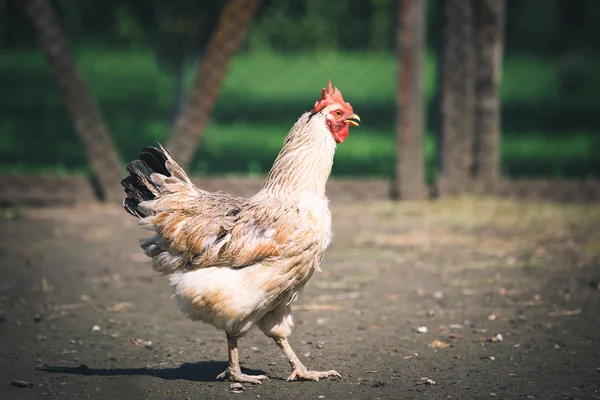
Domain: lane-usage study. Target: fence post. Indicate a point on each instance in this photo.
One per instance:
(89, 123)
(410, 45)
(224, 43)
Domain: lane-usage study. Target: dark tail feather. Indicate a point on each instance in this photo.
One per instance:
(156, 159)
(138, 185)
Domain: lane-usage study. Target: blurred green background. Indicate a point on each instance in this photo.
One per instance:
(138, 69)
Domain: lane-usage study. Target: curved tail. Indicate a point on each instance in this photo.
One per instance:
(146, 178)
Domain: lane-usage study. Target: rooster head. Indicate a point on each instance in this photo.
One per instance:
(339, 114)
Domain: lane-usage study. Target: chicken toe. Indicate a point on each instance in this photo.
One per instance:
(237, 376)
(302, 374)
(299, 371)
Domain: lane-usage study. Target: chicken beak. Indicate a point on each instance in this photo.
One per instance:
(353, 120)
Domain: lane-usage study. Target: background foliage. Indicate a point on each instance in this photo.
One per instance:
(139, 57)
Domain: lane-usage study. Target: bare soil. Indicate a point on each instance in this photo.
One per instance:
(507, 290)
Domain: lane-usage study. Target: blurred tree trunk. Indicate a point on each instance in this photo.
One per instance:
(89, 123)
(457, 97)
(489, 22)
(410, 47)
(224, 43)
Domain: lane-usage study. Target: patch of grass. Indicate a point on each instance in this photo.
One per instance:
(262, 96)
(484, 245)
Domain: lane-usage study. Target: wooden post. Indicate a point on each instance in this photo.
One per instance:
(489, 22)
(224, 43)
(84, 111)
(457, 97)
(410, 47)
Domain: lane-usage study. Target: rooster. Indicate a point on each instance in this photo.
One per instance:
(237, 262)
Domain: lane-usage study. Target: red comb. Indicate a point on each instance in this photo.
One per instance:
(328, 97)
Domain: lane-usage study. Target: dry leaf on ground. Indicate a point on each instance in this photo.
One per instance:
(438, 344)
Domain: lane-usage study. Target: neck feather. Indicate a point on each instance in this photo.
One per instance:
(304, 163)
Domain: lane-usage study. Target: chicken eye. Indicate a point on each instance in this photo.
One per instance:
(338, 113)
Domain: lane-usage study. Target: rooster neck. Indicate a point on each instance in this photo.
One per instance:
(304, 163)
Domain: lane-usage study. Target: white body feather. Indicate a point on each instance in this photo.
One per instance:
(243, 289)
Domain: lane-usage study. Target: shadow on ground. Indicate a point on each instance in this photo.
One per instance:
(205, 371)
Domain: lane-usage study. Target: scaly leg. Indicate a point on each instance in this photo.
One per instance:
(234, 372)
(299, 371)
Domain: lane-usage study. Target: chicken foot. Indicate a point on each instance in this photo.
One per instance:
(233, 371)
(299, 371)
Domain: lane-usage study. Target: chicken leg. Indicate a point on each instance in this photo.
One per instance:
(279, 324)
(299, 371)
(233, 371)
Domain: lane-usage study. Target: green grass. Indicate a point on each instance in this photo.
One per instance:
(546, 133)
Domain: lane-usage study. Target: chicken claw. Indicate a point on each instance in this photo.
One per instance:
(233, 371)
(302, 374)
(237, 376)
(299, 371)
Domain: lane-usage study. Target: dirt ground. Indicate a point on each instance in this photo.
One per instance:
(508, 293)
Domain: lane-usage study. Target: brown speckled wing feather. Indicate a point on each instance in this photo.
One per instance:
(198, 229)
